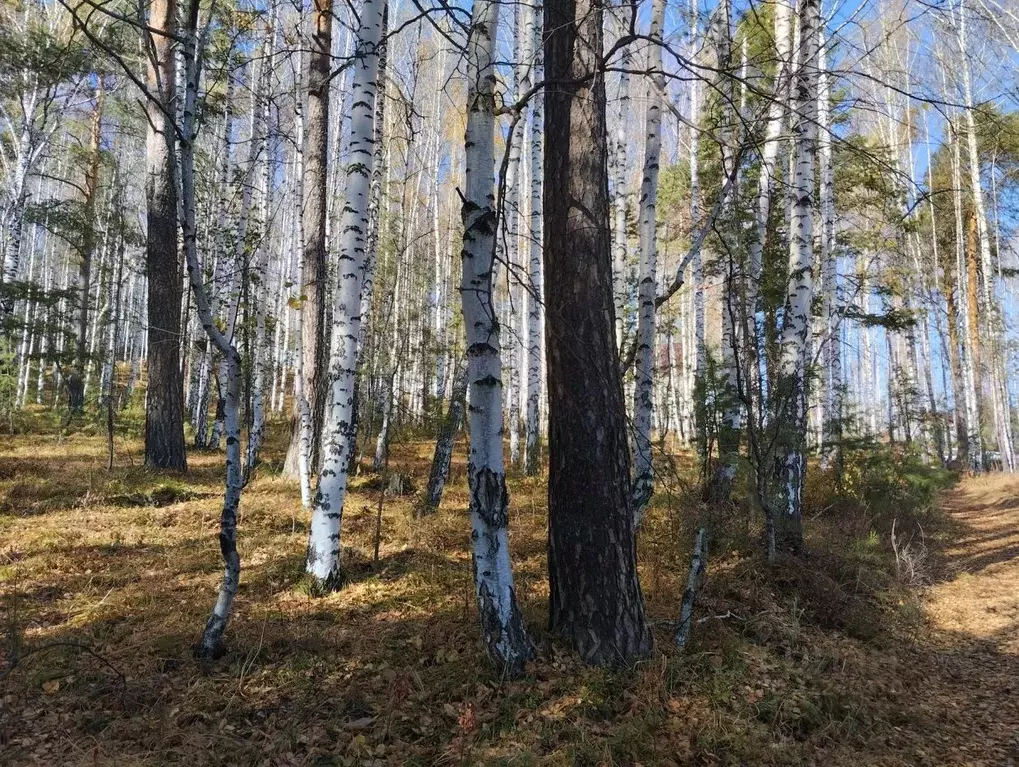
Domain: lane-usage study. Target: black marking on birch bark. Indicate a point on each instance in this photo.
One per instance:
(489, 497)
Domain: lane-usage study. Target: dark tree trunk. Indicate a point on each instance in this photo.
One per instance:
(164, 408)
(316, 161)
(595, 598)
(76, 378)
(444, 443)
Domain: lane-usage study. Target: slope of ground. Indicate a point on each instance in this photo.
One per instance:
(106, 579)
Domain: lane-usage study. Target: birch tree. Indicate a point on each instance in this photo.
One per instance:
(795, 336)
(502, 626)
(323, 562)
(643, 472)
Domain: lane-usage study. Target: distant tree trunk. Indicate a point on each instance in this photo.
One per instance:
(795, 339)
(535, 312)
(510, 217)
(258, 291)
(314, 275)
(444, 443)
(966, 296)
(618, 171)
(110, 362)
(323, 563)
(595, 597)
(164, 403)
(221, 272)
(502, 626)
(643, 472)
(698, 355)
(831, 357)
(381, 458)
(76, 378)
(720, 487)
(778, 108)
(991, 321)
(18, 196)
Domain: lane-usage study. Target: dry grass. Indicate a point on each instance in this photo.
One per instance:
(812, 663)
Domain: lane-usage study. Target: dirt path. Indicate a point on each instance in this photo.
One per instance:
(968, 684)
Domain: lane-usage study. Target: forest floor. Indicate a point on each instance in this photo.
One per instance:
(861, 653)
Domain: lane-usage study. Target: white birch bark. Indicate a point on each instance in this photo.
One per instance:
(777, 110)
(617, 171)
(831, 353)
(696, 265)
(510, 214)
(643, 472)
(211, 645)
(535, 307)
(729, 137)
(323, 562)
(975, 457)
(258, 292)
(304, 419)
(502, 625)
(988, 294)
(796, 326)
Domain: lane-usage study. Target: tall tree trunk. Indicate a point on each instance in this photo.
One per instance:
(778, 108)
(966, 295)
(164, 403)
(211, 644)
(831, 372)
(259, 291)
(795, 340)
(535, 305)
(617, 170)
(643, 472)
(76, 377)
(18, 196)
(323, 563)
(727, 137)
(502, 626)
(595, 597)
(314, 276)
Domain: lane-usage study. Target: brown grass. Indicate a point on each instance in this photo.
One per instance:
(814, 662)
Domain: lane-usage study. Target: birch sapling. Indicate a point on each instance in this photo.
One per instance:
(211, 644)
